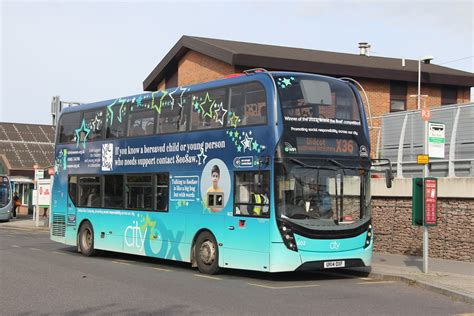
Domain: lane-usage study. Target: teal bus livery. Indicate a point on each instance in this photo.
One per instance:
(265, 171)
(6, 199)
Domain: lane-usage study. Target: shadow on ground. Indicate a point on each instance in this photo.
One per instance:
(295, 276)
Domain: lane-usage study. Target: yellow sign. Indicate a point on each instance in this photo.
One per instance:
(422, 159)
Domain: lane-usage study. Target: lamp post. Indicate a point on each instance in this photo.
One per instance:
(426, 60)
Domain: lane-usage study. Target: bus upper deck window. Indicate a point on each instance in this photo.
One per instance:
(116, 123)
(172, 119)
(141, 123)
(94, 121)
(68, 125)
(205, 106)
(249, 103)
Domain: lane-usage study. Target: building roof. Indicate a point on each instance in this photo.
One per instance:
(249, 55)
(24, 145)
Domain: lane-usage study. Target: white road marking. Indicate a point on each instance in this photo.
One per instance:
(349, 276)
(207, 276)
(59, 253)
(15, 246)
(283, 287)
(161, 269)
(377, 282)
(126, 262)
(36, 249)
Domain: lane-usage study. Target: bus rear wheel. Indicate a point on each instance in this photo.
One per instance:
(207, 253)
(86, 239)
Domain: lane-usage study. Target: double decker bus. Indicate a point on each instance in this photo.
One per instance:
(265, 171)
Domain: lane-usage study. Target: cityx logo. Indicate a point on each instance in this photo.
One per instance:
(334, 245)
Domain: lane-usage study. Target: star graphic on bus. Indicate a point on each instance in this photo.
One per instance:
(183, 90)
(254, 145)
(220, 114)
(122, 109)
(79, 131)
(139, 101)
(234, 119)
(151, 224)
(111, 112)
(171, 97)
(247, 142)
(202, 157)
(158, 106)
(206, 106)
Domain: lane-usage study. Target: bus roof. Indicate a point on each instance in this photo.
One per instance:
(195, 87)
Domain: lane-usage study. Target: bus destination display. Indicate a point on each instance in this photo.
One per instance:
(334, 146)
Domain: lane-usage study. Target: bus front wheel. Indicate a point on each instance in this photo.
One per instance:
(86, 239)
(207, 253)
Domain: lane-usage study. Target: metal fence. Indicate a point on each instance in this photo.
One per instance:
(402, 139)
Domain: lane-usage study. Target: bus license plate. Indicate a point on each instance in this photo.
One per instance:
(334, 264)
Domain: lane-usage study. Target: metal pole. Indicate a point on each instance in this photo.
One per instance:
(419, 84)
(425, 228)
(425, 174)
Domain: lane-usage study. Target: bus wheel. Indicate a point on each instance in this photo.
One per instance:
(86, 239)
(207, 253)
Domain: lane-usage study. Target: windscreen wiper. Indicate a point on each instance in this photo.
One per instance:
(302, 164)
(337, 163)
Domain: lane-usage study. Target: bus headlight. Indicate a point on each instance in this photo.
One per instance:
(287, 236)
(368, 238)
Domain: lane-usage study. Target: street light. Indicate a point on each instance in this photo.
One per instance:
(426, 59)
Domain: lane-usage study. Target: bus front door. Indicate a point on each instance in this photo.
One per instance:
(247, 243)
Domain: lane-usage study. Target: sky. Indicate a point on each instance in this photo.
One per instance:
(87, 51)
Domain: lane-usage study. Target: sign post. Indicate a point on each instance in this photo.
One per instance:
(44, 196)
(436, 139)
(35, 197)
(430, 198)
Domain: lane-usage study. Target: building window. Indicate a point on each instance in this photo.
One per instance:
(449, 95)
(398, 96)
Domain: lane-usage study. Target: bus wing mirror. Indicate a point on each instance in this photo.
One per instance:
(258, 179)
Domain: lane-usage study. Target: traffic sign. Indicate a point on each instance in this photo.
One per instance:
(422, 159)
(425, 113)
(436, 139)
(430, 196)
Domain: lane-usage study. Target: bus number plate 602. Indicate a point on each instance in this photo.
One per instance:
(334, 264)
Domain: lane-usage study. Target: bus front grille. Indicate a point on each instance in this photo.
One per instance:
(59, 225)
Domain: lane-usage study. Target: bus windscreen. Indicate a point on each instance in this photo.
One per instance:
(322, 98)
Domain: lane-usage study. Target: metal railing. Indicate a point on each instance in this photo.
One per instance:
(402, 139)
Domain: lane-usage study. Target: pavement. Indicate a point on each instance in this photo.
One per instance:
(448, 277)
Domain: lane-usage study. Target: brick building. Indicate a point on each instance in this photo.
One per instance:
(390, 83)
